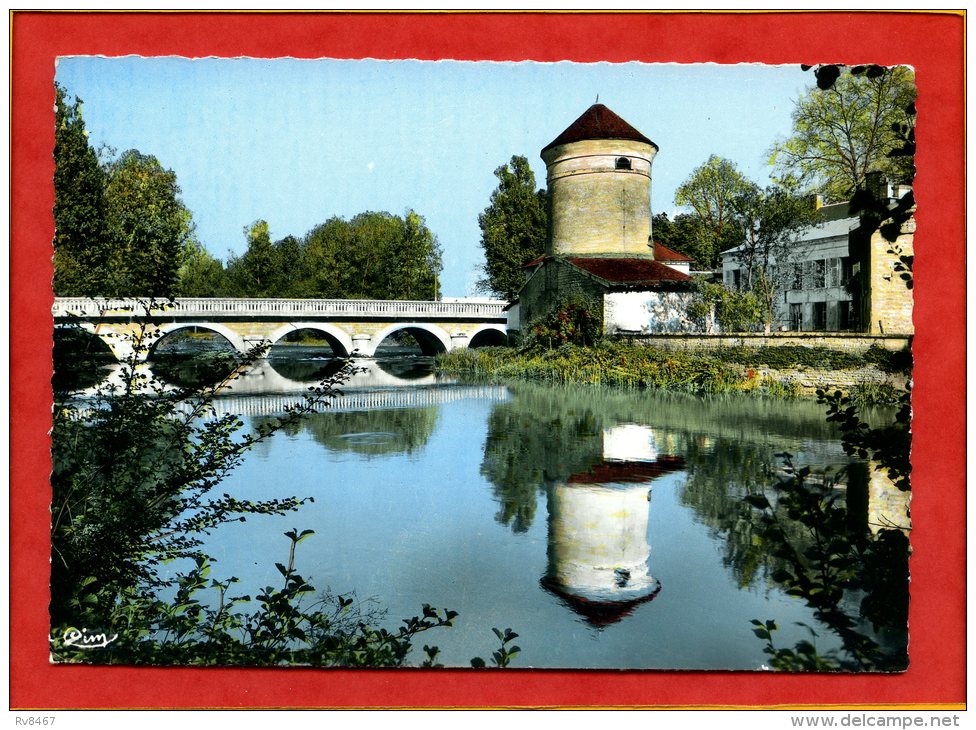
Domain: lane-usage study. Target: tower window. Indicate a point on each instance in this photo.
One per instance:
(623, 163)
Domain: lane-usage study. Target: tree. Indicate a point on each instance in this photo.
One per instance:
(147, 224)
(292, 269)
(849, 126)
(81, 248)
(375, 255)
(120, 227)
(710, 191)
(256, 272)
(770, 219)
(735, 311)
(414, 260)
(326, 247)
(513, 228)
(684, 234)
(200, 274)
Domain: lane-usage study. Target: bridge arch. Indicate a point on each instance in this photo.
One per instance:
(491, 335)
(431, 338)
(235, 340)
(338, 339)
(119, 345)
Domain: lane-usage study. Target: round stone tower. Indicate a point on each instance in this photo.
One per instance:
(599, 182)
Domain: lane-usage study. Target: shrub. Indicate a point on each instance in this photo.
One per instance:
(134, 471)
(574, 320)
(734, 311)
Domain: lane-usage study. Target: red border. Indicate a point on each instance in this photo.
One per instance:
(932, 42)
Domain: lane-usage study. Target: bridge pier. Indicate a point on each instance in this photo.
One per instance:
(363, 346)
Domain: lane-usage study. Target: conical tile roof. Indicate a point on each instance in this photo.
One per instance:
(598, 122)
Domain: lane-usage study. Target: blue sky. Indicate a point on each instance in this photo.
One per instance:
(296, 142)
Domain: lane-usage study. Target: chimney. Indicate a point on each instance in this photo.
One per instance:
(876, 184)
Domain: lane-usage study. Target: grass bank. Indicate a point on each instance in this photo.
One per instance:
(776, 371)
(611, 363)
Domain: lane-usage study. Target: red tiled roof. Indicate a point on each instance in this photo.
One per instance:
(629, 270)
(627, 472)
(663, 253)
(599, 613)
(598, 122)
(534, 262)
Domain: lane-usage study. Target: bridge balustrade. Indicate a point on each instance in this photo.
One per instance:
(65, 307)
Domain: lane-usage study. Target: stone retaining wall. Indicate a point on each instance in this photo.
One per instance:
(811, 379)
(840, 341)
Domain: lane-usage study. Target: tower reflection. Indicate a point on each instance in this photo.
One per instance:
(598, 548)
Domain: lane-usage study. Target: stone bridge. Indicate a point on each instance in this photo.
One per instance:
(351, 326)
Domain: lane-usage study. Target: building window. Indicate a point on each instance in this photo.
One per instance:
(846, 270)
(844, 315)
(820, 316)
(797, 282)
(796, 317)
(818, 274)
(834, 276)
(623, 163)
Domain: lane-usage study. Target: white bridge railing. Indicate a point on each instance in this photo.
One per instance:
(67, 307)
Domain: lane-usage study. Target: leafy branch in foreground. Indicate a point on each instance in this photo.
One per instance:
(889, 446)
(134, 469)
(284, 629)
(504, 655)
(833, 562)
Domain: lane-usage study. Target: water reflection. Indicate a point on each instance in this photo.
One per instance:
(544, 434)
(593, 455)
(368, 433)
(304, 370)
(81, 360)
(598, 543)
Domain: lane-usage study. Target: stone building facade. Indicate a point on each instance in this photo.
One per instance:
(883, 301)
(813, 293)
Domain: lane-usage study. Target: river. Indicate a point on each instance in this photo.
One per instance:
(606, 527)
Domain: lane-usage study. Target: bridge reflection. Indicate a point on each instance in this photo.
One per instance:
(262, 390)
(270, 404)
(274, 375)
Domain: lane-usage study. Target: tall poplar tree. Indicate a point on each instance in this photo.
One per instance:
(513, 228)
(81, 247)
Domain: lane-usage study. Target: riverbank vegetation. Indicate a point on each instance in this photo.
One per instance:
(629, 364)
(605, 363)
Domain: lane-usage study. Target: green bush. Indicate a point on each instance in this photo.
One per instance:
(734, 311)
(574, 320)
